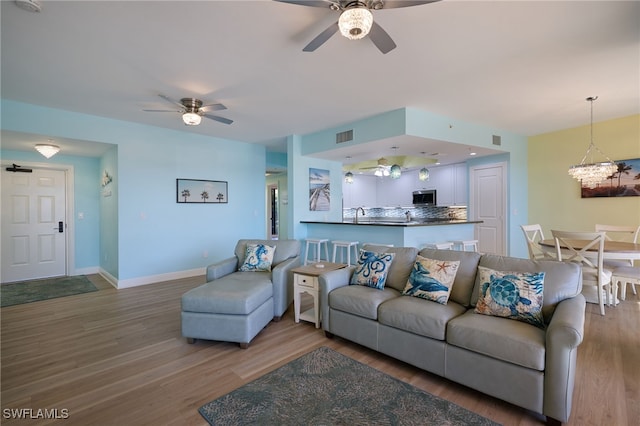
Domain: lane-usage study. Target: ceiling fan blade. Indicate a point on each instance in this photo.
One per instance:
(214, 107)
(312, 3)
(381, 39)
(321, 38)
(394, 4)
(168, 99)
(162, 110)
(219, 119)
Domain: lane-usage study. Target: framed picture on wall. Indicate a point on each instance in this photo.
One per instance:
(319, 190)
(197, 191)
(625, 182)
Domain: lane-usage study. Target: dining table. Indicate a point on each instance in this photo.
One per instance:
(613, 250)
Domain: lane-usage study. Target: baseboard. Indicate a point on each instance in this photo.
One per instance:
(152, 279)
(87, 271)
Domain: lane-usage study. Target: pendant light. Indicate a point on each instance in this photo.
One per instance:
(348, 177)
(423, 174)
(589, 172)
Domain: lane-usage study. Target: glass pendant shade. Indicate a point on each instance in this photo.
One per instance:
(191, 118)
(395, 172)
(47, 150)
(590, 172)
(348, 177)
(423, 174)
(355, 23)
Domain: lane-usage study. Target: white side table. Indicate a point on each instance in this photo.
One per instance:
(305, 280)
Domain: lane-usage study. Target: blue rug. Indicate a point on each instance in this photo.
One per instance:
(325, 387)
(44, 289)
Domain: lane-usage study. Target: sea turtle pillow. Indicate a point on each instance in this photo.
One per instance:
(431, 279)
(372, 269)
(258, 258)
(513, 295)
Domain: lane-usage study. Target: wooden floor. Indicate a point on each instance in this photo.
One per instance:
(116, 357)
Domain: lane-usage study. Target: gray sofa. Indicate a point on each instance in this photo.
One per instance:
(511, 360)
(235, 306)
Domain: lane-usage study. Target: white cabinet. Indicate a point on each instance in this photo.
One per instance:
(450, 182)
(361, 193)
(460, 184)
(397, 192)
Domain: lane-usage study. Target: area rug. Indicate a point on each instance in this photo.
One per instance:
(325, 387)
(44, 289)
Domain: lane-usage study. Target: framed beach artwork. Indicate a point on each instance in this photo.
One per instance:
(319, 190)
(197, 191)
(625, 182)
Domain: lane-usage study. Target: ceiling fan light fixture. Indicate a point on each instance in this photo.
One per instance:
(423, 174)
(355, 22)
(47, 150)
(191, 118)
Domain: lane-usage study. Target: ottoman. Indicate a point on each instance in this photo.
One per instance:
(233, 308)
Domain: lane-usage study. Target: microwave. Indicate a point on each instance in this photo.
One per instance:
(424, 197)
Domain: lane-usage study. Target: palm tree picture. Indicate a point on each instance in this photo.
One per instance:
(624, 182)
(201, 191)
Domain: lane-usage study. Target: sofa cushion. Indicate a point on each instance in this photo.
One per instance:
(512, 341)
(239, 293)
(372, 269)
(285, 249)
(402, 264)
(562, 280)
(257, 258)
(513, 295)
(466, 275)
(360, 300)
(419, 316)
(431, 279)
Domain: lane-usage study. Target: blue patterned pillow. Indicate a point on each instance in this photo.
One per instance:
(431, 279)
(513, 295)
(257, 258)
(372, 269)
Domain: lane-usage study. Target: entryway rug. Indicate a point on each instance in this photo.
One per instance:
(46, 288)
(325, 387)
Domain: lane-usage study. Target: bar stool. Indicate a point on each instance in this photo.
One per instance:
(448, 245)
(318, 242)
(345, 245)
(463, 244)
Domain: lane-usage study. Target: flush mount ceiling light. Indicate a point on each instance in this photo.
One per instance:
(47, 150)
(355, 22)
(191, 118)
(348, 177)
(590, 172)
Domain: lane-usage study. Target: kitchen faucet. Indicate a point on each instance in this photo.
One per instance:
(363, 213)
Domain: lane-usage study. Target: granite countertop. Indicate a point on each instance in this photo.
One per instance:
(391, 222)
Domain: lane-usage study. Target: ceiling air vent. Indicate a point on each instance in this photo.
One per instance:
(497, 140)
(345, 136)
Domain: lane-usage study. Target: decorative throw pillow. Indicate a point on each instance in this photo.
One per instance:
(372, 269)
(431, 279)
(513, 295)
(258, 258)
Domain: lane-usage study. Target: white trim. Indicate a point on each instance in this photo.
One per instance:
(151, 279)
(87, 271)
(110, 278)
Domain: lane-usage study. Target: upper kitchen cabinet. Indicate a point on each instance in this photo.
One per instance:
(361, 193)
(397, 192)
(450, 182)
(460, 184)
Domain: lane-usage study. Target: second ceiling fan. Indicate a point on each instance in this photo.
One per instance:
(356, 20)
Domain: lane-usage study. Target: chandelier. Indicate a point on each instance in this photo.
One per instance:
(355, 22)
(591, 173)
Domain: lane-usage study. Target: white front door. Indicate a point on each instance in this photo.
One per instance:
(33, 224)
(487, 194)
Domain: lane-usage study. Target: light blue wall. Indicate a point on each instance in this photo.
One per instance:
(109, 213)
(86, 174)
(155, 234)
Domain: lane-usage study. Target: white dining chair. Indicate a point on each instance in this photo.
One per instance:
(625, 275)
(619, 233)
(533, 233)
(586, 248)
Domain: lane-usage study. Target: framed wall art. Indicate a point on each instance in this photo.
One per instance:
(319, 190)
(197, 191)
(625, 182)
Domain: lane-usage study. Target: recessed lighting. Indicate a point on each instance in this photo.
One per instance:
(472, 153)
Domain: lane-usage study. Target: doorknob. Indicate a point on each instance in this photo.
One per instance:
(60, 227)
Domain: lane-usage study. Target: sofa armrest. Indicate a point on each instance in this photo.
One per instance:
(327, 282)
(282, 280)
(222, 268)
(564, 334)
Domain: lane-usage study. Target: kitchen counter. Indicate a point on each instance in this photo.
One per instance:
(415, 233)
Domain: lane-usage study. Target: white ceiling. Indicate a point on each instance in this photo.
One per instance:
(518, 66)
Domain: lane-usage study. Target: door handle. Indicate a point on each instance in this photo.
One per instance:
(60, 227)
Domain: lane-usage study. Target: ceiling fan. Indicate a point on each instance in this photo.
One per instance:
(193, 110)
(356, 20)
(383, 165)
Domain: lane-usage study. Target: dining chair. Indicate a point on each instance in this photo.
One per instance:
(586, 248)
(625, 275)
(533, 234)
(619, 233)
